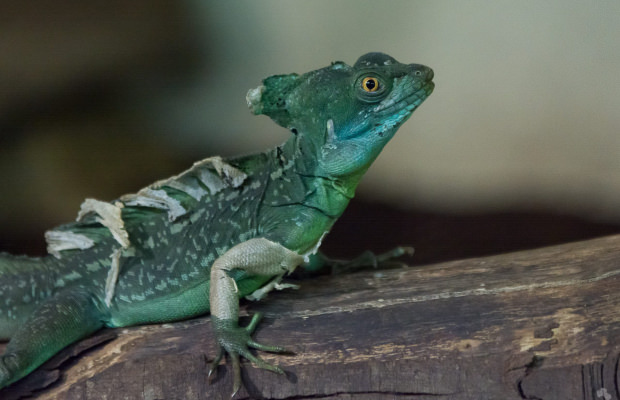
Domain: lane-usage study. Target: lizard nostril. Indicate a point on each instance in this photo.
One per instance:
(423, 71)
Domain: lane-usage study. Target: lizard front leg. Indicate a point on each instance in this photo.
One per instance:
(256, 256)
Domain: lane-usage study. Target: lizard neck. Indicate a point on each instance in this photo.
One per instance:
(300, 162)
(299, 204)
(306, 162)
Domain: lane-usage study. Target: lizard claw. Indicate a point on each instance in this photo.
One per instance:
(213, 370)
(237, 341)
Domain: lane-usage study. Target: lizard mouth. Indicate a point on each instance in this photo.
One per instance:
(407, 104)
(393, 112)
(419, 96)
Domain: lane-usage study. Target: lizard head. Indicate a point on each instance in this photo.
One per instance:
(344, 115)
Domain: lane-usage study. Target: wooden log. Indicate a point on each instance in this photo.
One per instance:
(539, 324)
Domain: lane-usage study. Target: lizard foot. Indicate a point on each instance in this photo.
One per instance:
(236, 341)
(370, 259)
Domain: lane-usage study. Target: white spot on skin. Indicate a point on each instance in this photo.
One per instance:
(177, 227)
(231, 196)
(92, 267)
(276, 174)
(289, 164)
(197, 215)
(255, 185)
(138, 297)
(280, 171)
(73, 276)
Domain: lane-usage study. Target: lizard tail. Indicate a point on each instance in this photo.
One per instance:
(24, 282)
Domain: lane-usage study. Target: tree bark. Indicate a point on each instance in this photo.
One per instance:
(539, 324)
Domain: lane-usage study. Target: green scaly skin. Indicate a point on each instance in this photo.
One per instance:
(199, 241)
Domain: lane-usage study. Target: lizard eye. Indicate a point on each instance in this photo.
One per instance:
(370, 84)
(371, 88)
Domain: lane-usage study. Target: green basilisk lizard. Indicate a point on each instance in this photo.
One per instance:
(223, 230)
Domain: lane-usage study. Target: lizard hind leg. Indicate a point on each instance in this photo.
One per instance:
(367, 259)
(61, 320)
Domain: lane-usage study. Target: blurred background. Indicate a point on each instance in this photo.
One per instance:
(518, 147)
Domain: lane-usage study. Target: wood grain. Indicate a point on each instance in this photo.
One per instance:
(538, 324)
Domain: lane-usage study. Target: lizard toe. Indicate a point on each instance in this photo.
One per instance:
(236, 342)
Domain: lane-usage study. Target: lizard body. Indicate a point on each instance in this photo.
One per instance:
(222, 230)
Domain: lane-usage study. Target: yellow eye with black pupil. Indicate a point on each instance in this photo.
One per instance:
(370, 84)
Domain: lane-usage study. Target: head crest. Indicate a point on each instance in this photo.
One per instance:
(271, 97)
